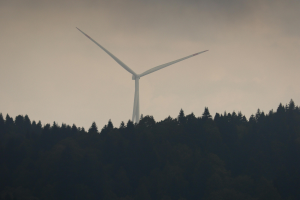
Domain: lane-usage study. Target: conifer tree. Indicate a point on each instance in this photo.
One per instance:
(291, 105)
(19, 122)
(258, 114)
(54, 127)
(93, 128)
(9, 123)
(252, 119)
(147, 121)
(27, 123)
(1, 123)
(39, 126)
(280, 109)
(110, 124)
(206, 114)
(244, 119)
(1, 119)
(74, 129)
(130, 125)
(217, 117)
(122, 125)
(191, 119)
(33, 125)
(181, 117)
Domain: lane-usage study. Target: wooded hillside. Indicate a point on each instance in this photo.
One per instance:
(209, 158)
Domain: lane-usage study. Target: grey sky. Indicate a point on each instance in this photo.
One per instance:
(52, 72)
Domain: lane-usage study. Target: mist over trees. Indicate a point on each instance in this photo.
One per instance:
(223, 157)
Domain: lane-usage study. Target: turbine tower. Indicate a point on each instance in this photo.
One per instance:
(136, 77)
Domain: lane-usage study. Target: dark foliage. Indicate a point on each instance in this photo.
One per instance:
(225, 157)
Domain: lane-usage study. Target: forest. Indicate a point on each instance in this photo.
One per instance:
(225, 156)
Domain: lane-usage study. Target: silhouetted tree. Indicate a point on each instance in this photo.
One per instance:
(147, 121)
(9, 122)
(130, 124)
(110, 125)
(252, 119)
(206, 115)
(2, 123)
(181, 117)
(27, 123)
(217, 117)
(74, 129)
(280, 109)
(291, 105)
(93, 128)
(122, 125)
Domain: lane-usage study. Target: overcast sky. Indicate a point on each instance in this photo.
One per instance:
(52, 72)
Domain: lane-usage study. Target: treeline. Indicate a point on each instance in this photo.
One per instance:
(209, 158)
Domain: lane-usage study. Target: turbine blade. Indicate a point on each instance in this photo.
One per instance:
(111, 55)
(168, 64)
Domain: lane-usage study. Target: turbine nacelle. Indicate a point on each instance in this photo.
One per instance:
(135, 77)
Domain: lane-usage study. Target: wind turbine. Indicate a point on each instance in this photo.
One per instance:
(136, 77)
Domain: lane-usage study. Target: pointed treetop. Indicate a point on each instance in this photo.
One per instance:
(8, 119)
(147, 121)
(74, 128)
(168, 119)
(1, 120)
(258, 114)
(110, 124)
(191, 117)
(244, 119)
(93, 128)
(217, 116)
(39, 124)
(206, 114)
(181, 117)
(252, 118)
(130, 125)
(122, 125)
(280, 108)
(27, 120)
(55, 125)
(292, 105)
